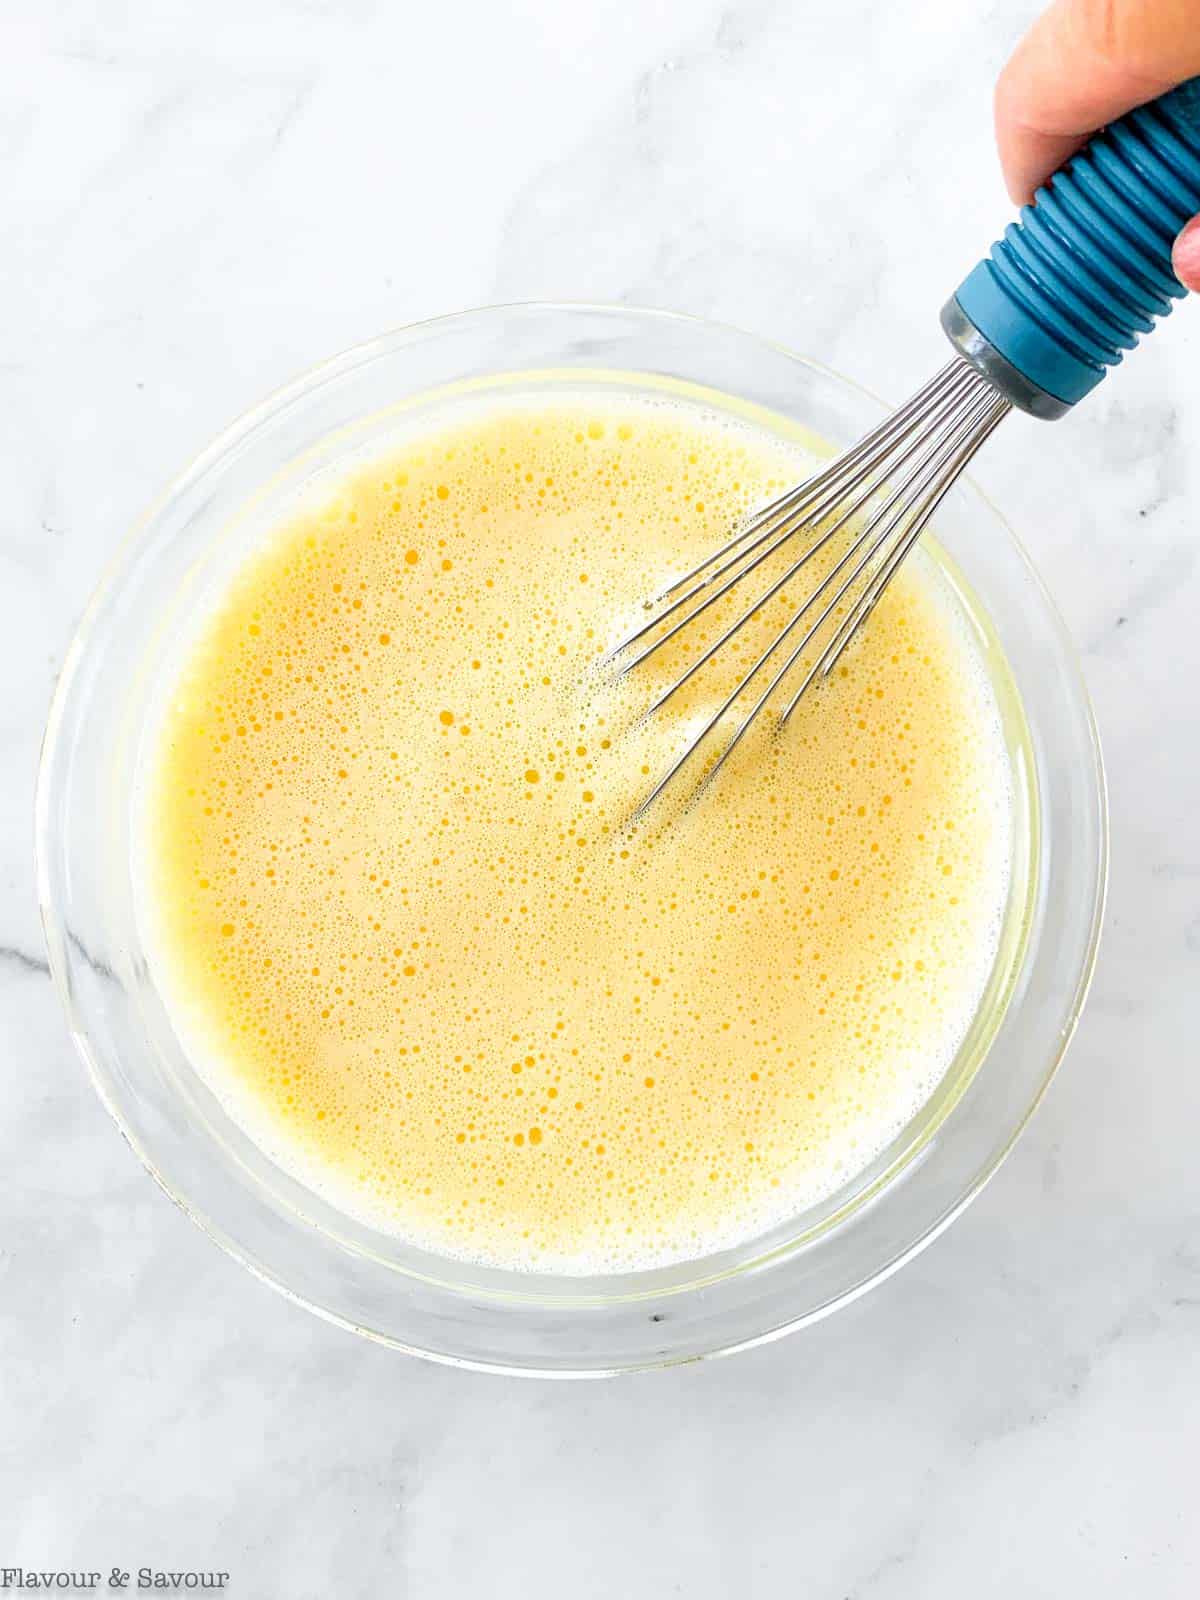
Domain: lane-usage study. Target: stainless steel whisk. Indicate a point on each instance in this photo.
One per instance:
(1036, 325)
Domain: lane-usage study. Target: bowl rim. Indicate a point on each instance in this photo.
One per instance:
(307, 382)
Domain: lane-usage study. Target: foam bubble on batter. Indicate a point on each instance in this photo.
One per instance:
(403, 922)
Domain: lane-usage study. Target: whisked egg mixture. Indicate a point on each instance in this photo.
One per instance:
(404, 925)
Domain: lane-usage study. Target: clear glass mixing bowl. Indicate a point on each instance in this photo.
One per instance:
(371, 1281)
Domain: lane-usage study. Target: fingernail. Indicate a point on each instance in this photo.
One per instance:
(1185, 257)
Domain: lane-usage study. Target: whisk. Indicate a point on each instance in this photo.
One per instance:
(1036, 325)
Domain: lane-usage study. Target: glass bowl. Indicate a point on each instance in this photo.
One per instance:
(371, 1281)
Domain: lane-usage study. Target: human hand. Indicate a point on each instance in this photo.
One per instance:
(1082, 64)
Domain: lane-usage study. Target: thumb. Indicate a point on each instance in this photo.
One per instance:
(1186, 256)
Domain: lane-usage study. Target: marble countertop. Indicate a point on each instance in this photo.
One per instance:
(200, 202)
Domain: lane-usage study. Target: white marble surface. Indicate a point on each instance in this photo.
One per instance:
(198, 202)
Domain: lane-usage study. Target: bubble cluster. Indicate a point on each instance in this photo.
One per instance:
(425, 959)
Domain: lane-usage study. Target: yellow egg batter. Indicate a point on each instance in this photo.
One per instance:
(404, 924)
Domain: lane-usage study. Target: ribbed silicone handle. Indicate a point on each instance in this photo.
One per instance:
(1088, 266)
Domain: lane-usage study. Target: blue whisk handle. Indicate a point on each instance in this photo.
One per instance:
(1087, 268)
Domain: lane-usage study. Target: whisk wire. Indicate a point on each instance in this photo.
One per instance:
(929, 468)
(928, 442)
(953, 374)
(807, 509)
(799, 507)
(879, 580)
(791, 572)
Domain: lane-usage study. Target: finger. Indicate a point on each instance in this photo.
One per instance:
(1186, 255)
(1083, 63)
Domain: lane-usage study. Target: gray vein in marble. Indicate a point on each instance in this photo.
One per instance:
(24, 960)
